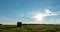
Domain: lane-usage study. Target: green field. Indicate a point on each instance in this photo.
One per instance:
(30, 28)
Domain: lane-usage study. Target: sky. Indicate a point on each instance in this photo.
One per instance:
(30, 11)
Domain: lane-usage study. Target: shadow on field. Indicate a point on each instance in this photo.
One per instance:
(50, 31)
(30, 29)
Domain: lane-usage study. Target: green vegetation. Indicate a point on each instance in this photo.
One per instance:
(30, 28)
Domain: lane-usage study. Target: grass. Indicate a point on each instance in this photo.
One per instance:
(30, 28)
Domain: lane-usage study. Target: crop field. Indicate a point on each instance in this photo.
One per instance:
(30, 28)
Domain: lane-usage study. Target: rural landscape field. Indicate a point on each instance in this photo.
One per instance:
(29, 15)
(30, 28)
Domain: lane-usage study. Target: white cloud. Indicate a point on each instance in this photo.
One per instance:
(57, 21)
(40, 17)
(49, 13)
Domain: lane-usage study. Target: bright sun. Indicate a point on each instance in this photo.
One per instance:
(38, 17)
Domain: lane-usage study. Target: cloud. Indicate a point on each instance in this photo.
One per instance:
(49, 13)
(38, 17)
(46, 13)
(56, 21)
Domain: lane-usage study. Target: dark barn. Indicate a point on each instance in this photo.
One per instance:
(0, 24)
(19, 24)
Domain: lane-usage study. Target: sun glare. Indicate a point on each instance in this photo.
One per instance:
(38, 17)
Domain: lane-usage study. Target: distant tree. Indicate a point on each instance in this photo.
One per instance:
(19, 24)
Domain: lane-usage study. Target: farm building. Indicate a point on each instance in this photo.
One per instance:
(0, 24)
(19, 24)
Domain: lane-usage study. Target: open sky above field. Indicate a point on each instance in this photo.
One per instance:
(30, 11)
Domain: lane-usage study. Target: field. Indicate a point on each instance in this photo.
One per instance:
(30, 28)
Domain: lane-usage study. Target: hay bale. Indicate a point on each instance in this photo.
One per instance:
(19, 24)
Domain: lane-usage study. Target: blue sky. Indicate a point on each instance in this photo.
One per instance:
(12, 11)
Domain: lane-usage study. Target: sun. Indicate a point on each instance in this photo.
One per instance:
(38, 17)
